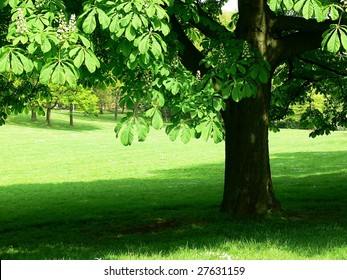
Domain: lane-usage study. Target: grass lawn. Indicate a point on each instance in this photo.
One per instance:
(77, 193)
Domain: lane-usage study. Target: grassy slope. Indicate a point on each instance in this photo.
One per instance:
(76, 193)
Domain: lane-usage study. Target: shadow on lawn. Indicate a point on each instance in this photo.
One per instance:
(160, 216)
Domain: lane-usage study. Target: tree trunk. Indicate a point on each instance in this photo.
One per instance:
(247, 180)
(33, 116)
(71, 114)
(48, 116)
(116, 103)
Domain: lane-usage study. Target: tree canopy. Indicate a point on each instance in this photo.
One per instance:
(155, 43)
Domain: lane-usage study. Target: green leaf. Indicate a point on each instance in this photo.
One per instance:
(334, 13)
(27, 63)
(343, 36)
(103, 19)
(161, 13)
(150, 10)
(91, 61)
(46, 73)
(3, 3)
(333, 44)
(246, 90)
(89, 24)
(233, 69)
(288, 4)
(5, 63)
(205, 128)
(125, 21)
(157, 120)
(217, 104)
(226, 91)
(263, 76)
(84, 41)
(318, 11)
(158, 98)
(13, 3)
(156, 48)
(127, 8)
(217, 133)
(16, 66)
(308, 10)
(254, 71)
(142, 129)
(136, 22)
(165, 29)
(58, 75)
(144, 20)
(78, 60)
(150, 112)
(241, 68)
(172, 85)
(133, 61)
(23, 39)
(144, 59)
(298, 5)
(274, 5)
(130, 33)
(186, 134)
(144, 44)
(46, 46)
(70, 76)
(132, 64)
(127, 135)
(165, 71)
(236, 93)
(74, 51)
(125, 47)
(118, 128)
(32, 47)
(174, 132)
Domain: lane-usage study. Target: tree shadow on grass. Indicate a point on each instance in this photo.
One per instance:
(172, 215)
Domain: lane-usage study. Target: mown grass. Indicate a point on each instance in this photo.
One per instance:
(77, 193)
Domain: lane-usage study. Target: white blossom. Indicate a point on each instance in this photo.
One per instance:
(65, 28)
(198, 75)
(21, 23)
(40, 3)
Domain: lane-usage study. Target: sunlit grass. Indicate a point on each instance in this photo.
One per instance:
(77, 193)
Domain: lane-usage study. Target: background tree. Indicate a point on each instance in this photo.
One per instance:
(78, 97)
(318, 81)
(217, 80)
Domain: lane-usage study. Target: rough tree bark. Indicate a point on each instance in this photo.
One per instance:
(247, 180)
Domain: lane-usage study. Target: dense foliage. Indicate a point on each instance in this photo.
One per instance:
(53, 41)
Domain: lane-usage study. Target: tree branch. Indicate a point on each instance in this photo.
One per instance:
(209, 27)
(190, 55)
(297, 24)
(296, 43)
(323, 66)
(298, 35)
